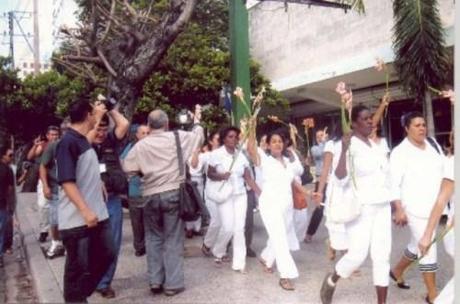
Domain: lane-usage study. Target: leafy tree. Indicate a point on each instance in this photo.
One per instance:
(421, 56)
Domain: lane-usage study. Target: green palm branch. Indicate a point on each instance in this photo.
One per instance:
(419, 45)
(357, 5)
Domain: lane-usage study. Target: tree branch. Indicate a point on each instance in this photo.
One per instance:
(106, 63)
(83, 59)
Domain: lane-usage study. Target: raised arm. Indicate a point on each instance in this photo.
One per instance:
(380, 110)
(252, 149)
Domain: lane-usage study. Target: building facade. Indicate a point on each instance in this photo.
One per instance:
(305, 51)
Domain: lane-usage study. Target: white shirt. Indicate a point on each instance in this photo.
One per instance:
(202, 167)
(221, 160)
(367, 171)
(416, 176)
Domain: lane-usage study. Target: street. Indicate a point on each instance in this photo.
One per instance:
(207, 284)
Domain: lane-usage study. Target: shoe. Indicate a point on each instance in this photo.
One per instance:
(139, 252)
(189, 234)
(55, 252)
(218, 262)
(107, 293)
(286, 284)
(206, 250)
(42, 237)
(156, 289)
(327, 291)
(173, 292)
(308, 238)
(427, 300)
(266, 268)
(250, 253)
(400, 283)
(9, 251)
(331, 253)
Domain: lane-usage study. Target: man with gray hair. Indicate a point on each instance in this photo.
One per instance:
(155, 159)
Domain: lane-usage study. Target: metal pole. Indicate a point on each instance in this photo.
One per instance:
(239, 46)
(11, 33)
(36, 40)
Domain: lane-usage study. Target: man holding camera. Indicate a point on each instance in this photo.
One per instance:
(107, 144)
(155, 158)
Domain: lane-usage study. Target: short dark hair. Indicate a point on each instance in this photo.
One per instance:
(104, 121)
(52, 128)
(4, 147)
(355, 111)
(210, 138)
(407, 118)
(79, 110)
(224, 132)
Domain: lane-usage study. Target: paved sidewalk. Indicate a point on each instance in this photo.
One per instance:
(207, 284)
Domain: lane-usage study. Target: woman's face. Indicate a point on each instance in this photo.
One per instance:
(276, 145)
(363, 124)
(416, 129)
(214, 142)
(231, 139)
(263, 142)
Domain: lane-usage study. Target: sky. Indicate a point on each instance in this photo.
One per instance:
(64, 14)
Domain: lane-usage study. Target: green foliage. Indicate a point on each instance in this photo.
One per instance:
(357, 5)
(421, 57)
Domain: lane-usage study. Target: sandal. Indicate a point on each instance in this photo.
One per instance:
(330, 251)
(226, 259)
(266, 268)
(206, 250)
(399, 282)
(286, 284)
(218, 262)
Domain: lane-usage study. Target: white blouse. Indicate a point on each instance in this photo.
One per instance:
(221, 160)
(416, 176)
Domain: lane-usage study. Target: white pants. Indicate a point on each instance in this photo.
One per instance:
(233, 216)
(300, 222)
(214, 224)
(277, 248)
(417, 227)
(338, 237)
(447, 294)
(370, 231)
(43, 208)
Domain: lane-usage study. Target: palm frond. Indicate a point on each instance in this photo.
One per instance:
(357, 5)
(419, 45)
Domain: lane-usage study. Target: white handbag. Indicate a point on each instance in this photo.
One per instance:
(218, 191)
(343, 204)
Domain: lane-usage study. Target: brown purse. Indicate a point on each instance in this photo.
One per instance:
(299, 199)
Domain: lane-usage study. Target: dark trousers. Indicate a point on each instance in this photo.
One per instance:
(164, 235)
(249, 225)
(136, 215)
(8, 239)
(90, 251)
(317, 215)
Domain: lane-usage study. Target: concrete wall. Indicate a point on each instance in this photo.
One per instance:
(304, 45)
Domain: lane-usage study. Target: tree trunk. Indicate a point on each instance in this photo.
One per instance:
(429, 114)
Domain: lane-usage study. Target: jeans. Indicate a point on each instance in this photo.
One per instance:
(164, 233)
(116, 224)
(90, 252)
(3, 222)
(136, 215)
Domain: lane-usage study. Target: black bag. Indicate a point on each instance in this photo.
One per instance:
(189, 198)
(306, 176)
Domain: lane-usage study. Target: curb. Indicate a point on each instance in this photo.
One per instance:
(44, 280)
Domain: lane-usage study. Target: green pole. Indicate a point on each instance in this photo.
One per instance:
(239, 48)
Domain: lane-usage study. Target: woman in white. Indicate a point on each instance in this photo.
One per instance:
(445, 195)
(337, 233)
(366, 171)
(376, 119)
(232, 211)
(275, 201)
(198, 165)
(416, 174)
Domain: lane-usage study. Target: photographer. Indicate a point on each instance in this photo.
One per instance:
(107, 142)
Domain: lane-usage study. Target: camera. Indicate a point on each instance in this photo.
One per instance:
(109, 103)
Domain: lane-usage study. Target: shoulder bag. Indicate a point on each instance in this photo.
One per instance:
(190, 201)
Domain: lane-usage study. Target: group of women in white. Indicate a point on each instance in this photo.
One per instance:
(364, 182)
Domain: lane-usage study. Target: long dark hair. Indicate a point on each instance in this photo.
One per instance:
(282, 134)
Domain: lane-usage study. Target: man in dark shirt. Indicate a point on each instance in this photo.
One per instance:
(6, 190)
(82, 214)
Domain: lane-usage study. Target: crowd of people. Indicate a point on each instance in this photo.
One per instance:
(95, 164)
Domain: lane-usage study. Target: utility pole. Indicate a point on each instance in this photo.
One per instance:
(11, 33)
(36, 40)
(239, 46)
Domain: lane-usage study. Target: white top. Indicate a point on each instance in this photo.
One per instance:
(369, 170)
(221, 160)
(202, 167)
(416, 176)
(449, 174)
(384, 144)
(276, 180)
